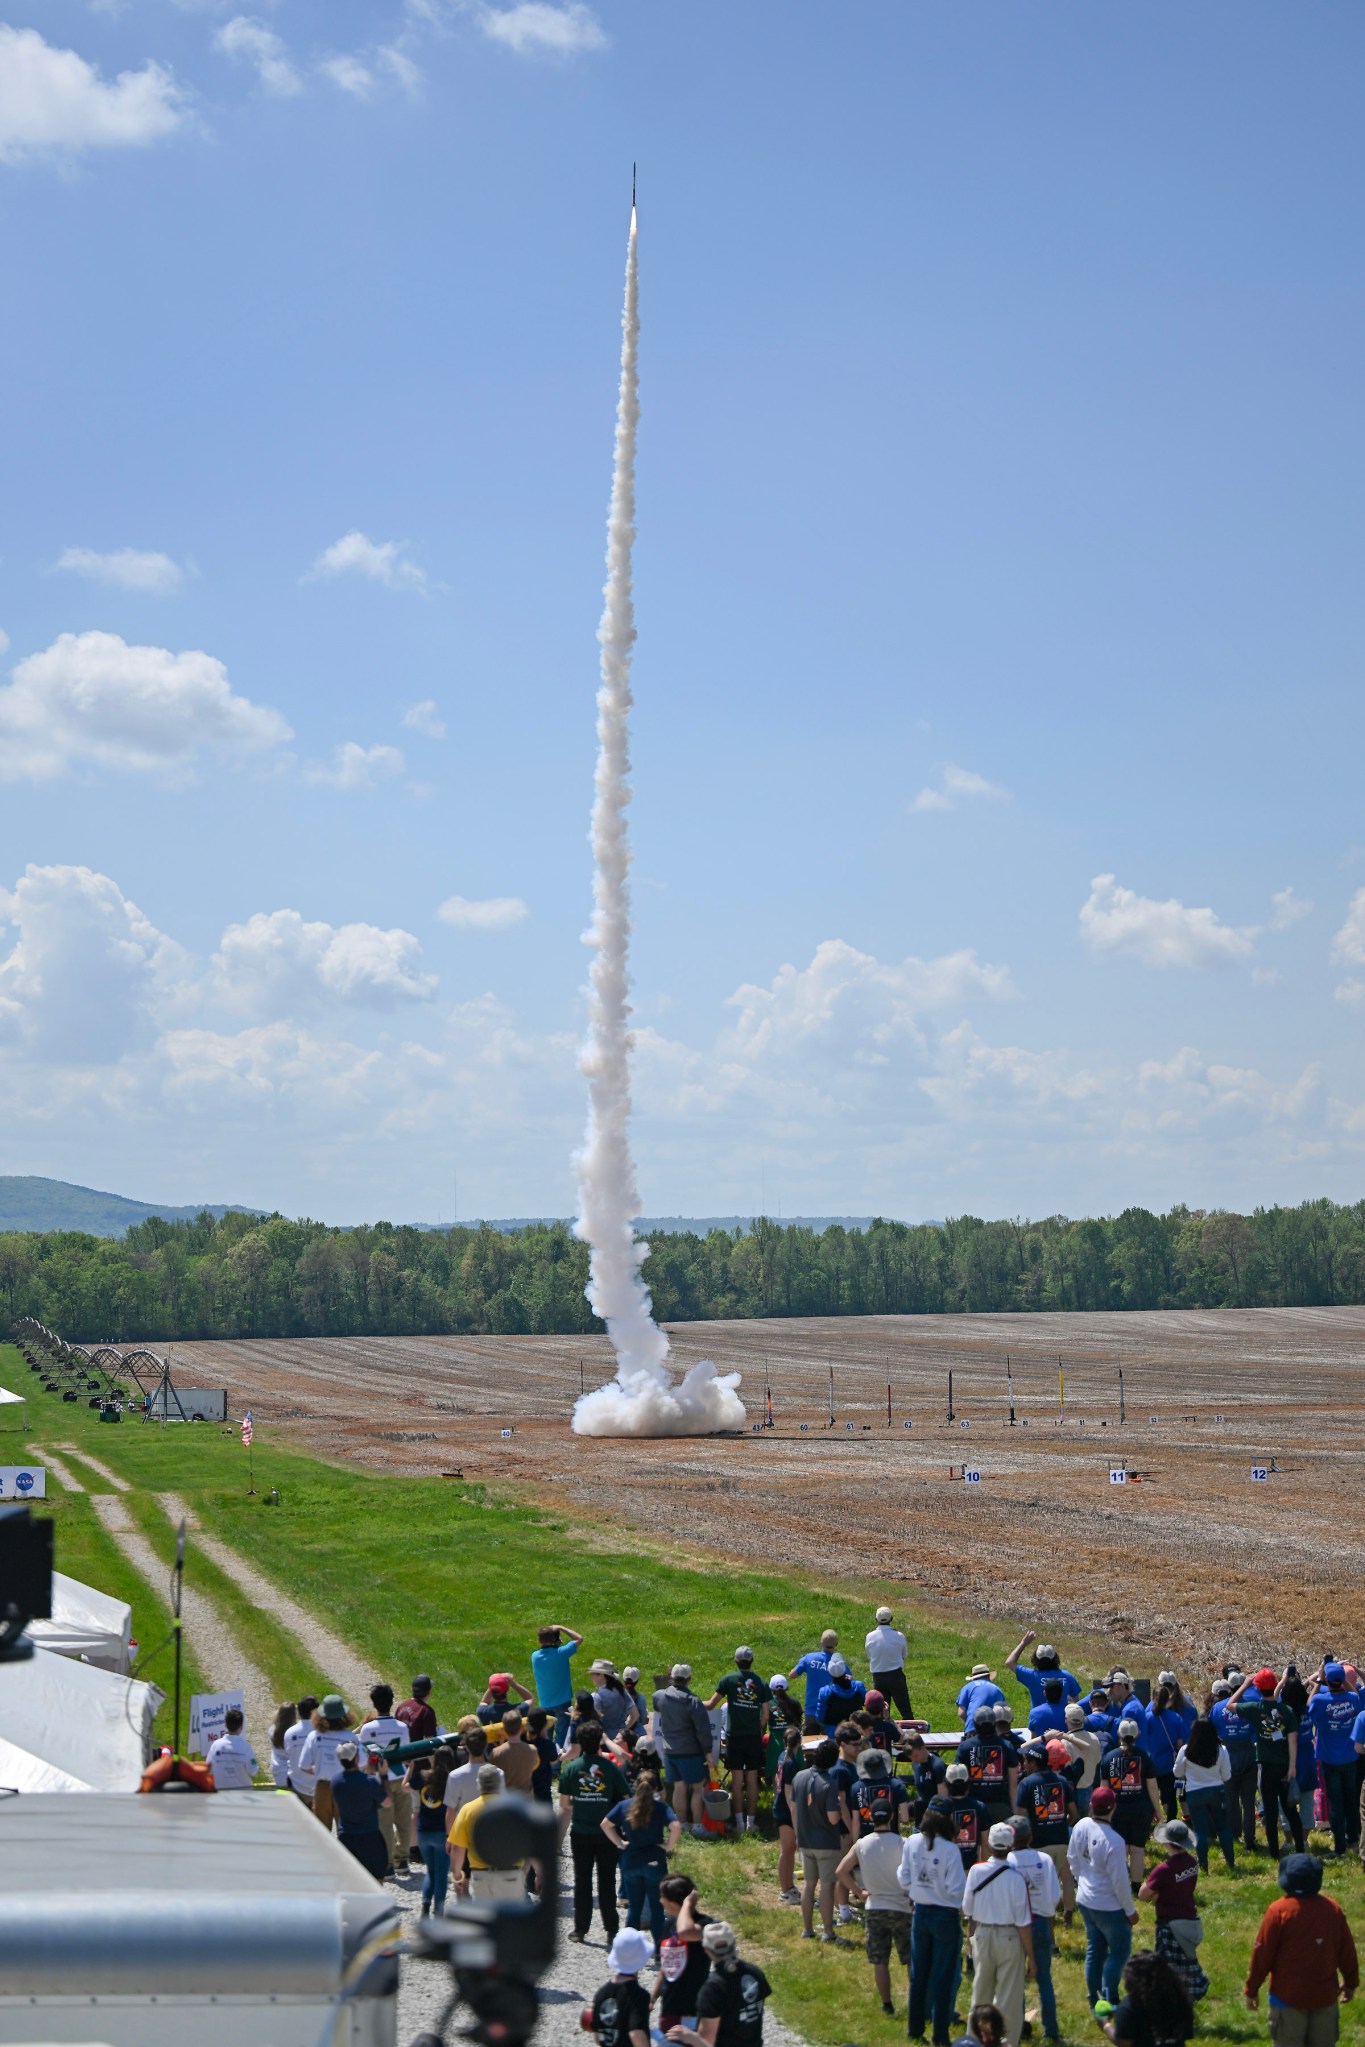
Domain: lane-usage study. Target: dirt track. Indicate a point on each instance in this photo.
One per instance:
(1194, 1559)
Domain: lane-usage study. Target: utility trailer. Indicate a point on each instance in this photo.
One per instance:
(150, 1920)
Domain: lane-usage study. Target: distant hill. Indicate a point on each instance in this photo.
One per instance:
(30, 1203)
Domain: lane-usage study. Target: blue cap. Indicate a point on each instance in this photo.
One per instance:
(1334, 1673)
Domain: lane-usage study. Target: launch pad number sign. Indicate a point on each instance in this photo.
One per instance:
(1117, 1477)
(1259, 1472)
(971, 1476)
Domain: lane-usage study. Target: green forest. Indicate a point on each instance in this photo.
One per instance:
(240, 1275)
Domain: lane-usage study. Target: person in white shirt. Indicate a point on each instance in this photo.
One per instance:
(395, 1818)
(231, 1758)
(332, 1724)
(463, 1784)
(301, 1782)
(1099, 1863)
(886, 1652)
(872, 1866)
(932, 1877)
(999, 1916)
(285, 1717)
(1204, 1767)
(1039, 1872)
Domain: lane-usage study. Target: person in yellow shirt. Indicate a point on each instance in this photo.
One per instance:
(473, 1876)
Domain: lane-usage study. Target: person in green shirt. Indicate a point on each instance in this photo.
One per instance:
(746, 1700)
(589, 1787)
(1257, 1700)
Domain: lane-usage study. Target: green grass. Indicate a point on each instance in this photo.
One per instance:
(426, 1573)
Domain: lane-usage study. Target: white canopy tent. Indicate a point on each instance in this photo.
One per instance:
(19, 1771)
(85, 1623)
(89, 1724)
(8, 1403)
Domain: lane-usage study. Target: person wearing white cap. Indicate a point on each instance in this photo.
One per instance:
(1046, 1664)
(887, 1649)
(999, 1915)
(841, 1696)
(620, 2010)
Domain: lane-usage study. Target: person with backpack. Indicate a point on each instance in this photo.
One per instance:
(1045, 1895)
(819, 1835)
(731, 2000)
(620, 2009)
(872, 1868)
(933, 1879)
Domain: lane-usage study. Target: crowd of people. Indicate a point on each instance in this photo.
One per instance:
(1104, 1798)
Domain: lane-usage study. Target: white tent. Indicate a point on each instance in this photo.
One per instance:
(85, 1623)
(88, 1723)
(11, 1400)
(19, 1771)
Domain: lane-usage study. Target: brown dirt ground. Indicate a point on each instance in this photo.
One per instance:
(1195, 1559)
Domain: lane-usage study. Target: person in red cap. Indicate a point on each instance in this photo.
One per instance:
(493, 1704)
(1257, 1700)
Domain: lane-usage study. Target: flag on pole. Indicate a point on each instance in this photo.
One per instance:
(246, 1429)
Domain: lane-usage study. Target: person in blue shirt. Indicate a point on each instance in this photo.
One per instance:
(1238, 1737)
(552, 1671)
(1167, 1723)
(814, 1668)
(1358, 1743)
(1332, 1714)
(840, 1697)
(1049, 1715)
(1046, 1664)
(979, 1690)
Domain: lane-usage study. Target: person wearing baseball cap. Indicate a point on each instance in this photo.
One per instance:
(1104, 1893)
(417, 1713)
(496, 1699)
(887, 1649)
(1046, 1664)
(682, 1728)
(1044, 1797)
(1304, 1946)
(1238, 1737)
(966, 1815)
(840, 1696)
(746, 1699)
(999, 1915)
(357, 1796)
(1276, 1726)
(1333, 1709)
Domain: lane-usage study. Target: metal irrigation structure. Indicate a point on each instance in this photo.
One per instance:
(102, 1376)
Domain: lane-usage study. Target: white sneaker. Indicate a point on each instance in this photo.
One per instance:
(847, 1916)
(789, 1897)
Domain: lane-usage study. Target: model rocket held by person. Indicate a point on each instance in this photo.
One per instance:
(643, 1399)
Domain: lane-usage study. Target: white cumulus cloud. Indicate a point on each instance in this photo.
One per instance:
(381, 561)
(87, 971)
(128, 568)
(1160, 934)
(92, 698)
(53, 100)
(356, 767)
(348, 74)
(1287, 909)
(425, 717)
(251, 42)
(534, 27)
(277, 964)
(493, 913)
(957, 785)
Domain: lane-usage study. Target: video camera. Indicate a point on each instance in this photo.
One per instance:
(497, 1953)
(25, 1578)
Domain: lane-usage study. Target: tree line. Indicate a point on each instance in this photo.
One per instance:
(244, 1275)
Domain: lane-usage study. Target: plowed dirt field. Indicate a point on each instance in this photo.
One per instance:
(1192, 1556)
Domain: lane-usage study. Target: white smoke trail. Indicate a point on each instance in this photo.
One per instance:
(642, 1400)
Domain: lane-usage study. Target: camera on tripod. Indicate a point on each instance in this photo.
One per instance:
(25, 1578)
(497, 1953)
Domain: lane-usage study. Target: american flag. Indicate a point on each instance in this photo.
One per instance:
(246, 1428)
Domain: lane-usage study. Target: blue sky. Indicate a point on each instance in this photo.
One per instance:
(998, 821)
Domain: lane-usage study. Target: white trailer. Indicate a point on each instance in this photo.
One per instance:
(153, 1920)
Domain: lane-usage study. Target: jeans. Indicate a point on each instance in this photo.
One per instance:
(1165, 1784)
(436, 1856)
(1339, 1782)
(641, 1887)
(1108, 1944)
(594, 1854)
(1209, 1813)
(1242, 1802)
(935, 1952)
(1278, 1796)
(561, 1727)
(1042, 1974)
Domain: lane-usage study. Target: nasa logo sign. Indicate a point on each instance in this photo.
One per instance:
(23, 1482)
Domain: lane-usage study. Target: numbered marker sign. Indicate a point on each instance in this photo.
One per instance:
(1154, 1418)
(757, 1428)
(804, 1427)
(1118, 1477)
(966, 1425)
(849, 1427)
(971, 1475)
(1220, 1417)
(907, 1425)
(505, 1434)
(1259, 1471)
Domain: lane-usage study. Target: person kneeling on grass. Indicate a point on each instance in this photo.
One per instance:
(731, 2000)
(872, 1869)
(620, 2010)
